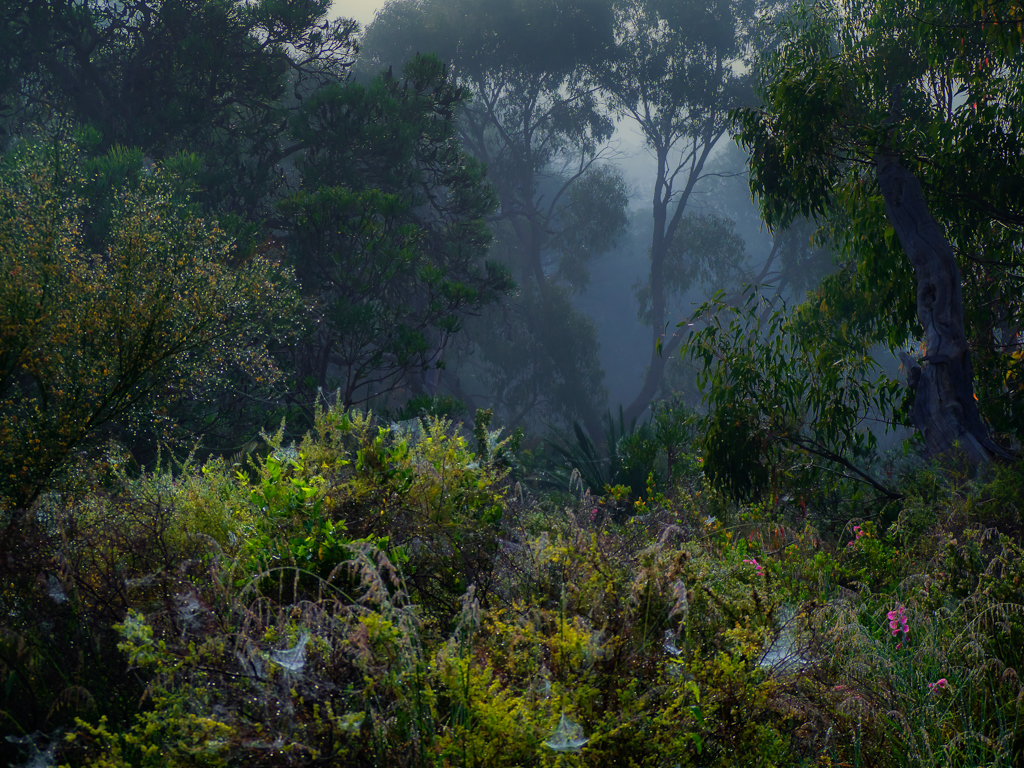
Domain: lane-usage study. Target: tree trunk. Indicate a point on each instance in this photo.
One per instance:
(945, 410)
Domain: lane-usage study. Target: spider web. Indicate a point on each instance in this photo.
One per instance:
(294, 658)
(567, 737)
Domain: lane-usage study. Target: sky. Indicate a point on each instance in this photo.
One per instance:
(362, 11)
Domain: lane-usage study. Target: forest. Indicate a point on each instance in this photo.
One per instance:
(524, 383)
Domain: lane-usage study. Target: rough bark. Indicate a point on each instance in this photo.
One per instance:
(945, 410)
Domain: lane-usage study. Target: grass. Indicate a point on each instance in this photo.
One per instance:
(376, 598)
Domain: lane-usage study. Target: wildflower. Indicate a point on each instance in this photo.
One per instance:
(939, 685)
(898, 620)
(757, 566)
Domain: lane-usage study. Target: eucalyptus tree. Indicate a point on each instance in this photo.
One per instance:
(903, 122)
(539, 126)
(678, 68)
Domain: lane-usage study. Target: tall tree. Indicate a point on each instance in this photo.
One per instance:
(532, 119)
(539, 127)
(904, 121)
(677, 70)
(387, 234)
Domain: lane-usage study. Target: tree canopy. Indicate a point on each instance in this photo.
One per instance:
(212, 77)
(538, 125)
(388, 233)
(866, 104)
(677, 70)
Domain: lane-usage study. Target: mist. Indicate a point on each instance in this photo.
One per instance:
(557, 92)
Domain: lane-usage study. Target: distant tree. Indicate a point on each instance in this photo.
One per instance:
(539, 128)
(706, 252)
(539, 353)
(532, 119)
(387, 234)
(211, 77)
(791, 260)
(679, 66)
(163, 313)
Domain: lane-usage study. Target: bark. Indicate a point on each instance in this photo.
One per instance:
(945, 410)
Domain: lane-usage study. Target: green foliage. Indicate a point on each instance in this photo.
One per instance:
(705, 252)
(208, 77)
(592, 218)
(789, 397)
(638, 456)
(676, 431)
(536, 123)
(946, 673)
(578, 456)
(639, 459)
(388, 234)
(93, 340)
(670, 637)
(828, 98)
(441, 406)
(170, 733)
(424, 497)
(539, 356)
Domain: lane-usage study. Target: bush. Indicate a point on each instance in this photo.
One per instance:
(94, 342)
(310, 607)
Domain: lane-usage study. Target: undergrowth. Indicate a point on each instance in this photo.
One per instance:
(382, 596)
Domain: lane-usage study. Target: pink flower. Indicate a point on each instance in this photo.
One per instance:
(898, 620)
(757, 566)
(859, 534)
(939, 685)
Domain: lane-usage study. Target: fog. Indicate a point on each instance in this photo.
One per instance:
(696, 184)
(362, 11)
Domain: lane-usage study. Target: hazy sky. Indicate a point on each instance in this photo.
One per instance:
(362, 11)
